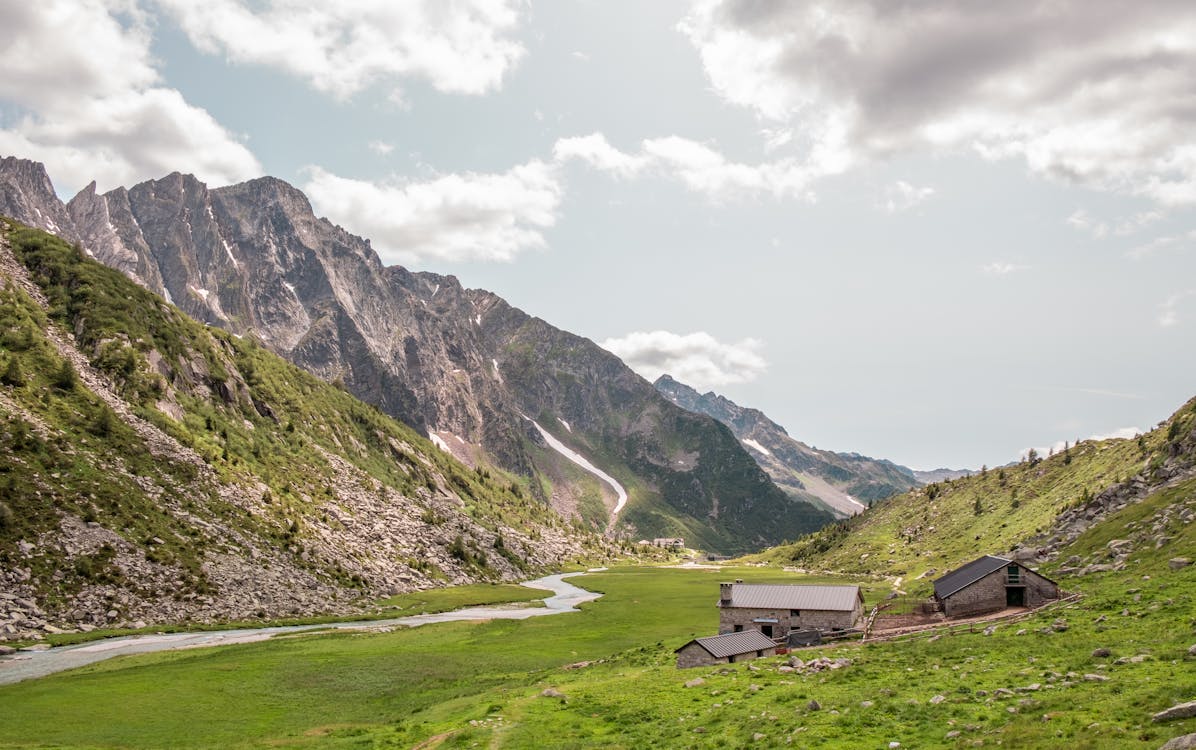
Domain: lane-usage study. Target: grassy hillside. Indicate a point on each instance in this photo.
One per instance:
(932, 529)
(143, 448)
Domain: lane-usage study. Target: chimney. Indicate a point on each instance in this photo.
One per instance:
(724, 594)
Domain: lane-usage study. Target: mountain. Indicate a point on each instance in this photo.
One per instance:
(484, 380)
(940, 475)
(844, 483)
(155, 469)
(1030, 510)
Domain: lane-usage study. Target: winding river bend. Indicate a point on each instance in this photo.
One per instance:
(27, 665)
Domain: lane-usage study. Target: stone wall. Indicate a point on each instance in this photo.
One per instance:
(693, 655)
(988, 593)
(820, 619)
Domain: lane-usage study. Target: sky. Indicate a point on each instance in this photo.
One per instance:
(938, 233)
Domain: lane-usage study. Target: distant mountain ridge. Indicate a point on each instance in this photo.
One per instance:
(844, 482)
(459, 364)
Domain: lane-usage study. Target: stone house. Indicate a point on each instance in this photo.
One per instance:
(672, 543)
(775, 610)
(725, 649)
(990, 583)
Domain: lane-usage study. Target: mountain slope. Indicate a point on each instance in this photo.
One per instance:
(460, 365)
(1031, 510)
(155, 469)
(846, 483)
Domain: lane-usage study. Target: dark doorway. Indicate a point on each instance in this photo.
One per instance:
(766, 630)
(1015, 596)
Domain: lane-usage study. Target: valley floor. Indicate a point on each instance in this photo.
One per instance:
(605, 677)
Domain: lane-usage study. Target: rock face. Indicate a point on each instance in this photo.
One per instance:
(178, 473)
(844, 482)
(460, 365)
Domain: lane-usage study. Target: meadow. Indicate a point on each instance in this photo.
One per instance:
(467, 685)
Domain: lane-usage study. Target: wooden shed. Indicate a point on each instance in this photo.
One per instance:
(991, 583)
(725, 649)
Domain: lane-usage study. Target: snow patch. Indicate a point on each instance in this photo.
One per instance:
(566, 424)
(439, 442)
(435, 289)
(497, 373)
(857, 502)
(203, 293)
(478, 320)
(581, 461)
(228, 249)
(166, 294)
(753, 444)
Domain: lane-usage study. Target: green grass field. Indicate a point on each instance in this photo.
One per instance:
(479, 684)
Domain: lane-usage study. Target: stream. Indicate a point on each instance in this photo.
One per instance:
(25, 665)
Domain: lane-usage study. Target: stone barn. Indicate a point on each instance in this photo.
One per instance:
(725, 649)
(991, 583)
(775, 610)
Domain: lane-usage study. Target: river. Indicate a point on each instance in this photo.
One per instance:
(25, 665)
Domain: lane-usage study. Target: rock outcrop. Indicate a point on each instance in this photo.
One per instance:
(459, 365)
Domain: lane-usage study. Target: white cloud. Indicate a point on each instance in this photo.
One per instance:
(463, 47)
(96, 110)
(1082, 221)
(998, 268)
(454, 217)
(1091, 91)
(1122, 433)
(697, 359)
(698, 166)
(902, 196)
(1160, 244)
(1169, 309)
(381, 148)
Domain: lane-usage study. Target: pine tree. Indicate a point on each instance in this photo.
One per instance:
(12, 373)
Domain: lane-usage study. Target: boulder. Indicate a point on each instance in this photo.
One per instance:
(1101, 653)
(1184, 742)
(551, 693)
(813, 705)
(695, 682)
(1178, 711)
(1178, 563)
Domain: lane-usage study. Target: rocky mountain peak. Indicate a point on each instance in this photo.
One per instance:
(27, 195)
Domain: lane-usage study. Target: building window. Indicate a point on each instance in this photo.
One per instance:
(738, 628)
(795, 613)
(1015, 575)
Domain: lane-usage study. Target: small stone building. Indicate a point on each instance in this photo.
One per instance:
(775, 610)
(991, 583)
(725, 649)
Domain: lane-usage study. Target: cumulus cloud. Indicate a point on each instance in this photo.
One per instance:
(1162, 244)
(697, 166)
(999, 268)
(1091, 91)
(463, 47)
(697, 359)
(453, 217)
(97, 110)
(381, 148)
(902, 196)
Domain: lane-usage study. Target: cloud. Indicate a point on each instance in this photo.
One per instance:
(1122, 433)
(1160, 244)
(1082, 221)
(998, 268)
(97, 110)
(453, 217)
(1089, 91)
(697, 359)
(902, 196)
(381, 148)
(1169, 309)
(698, 166)
(462, 47)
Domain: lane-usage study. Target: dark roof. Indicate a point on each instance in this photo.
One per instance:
(734, 644)
(771, 596)
(967, 575)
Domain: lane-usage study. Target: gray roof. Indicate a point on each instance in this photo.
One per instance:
(772, 596)
(961, 578)
(733, 644)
